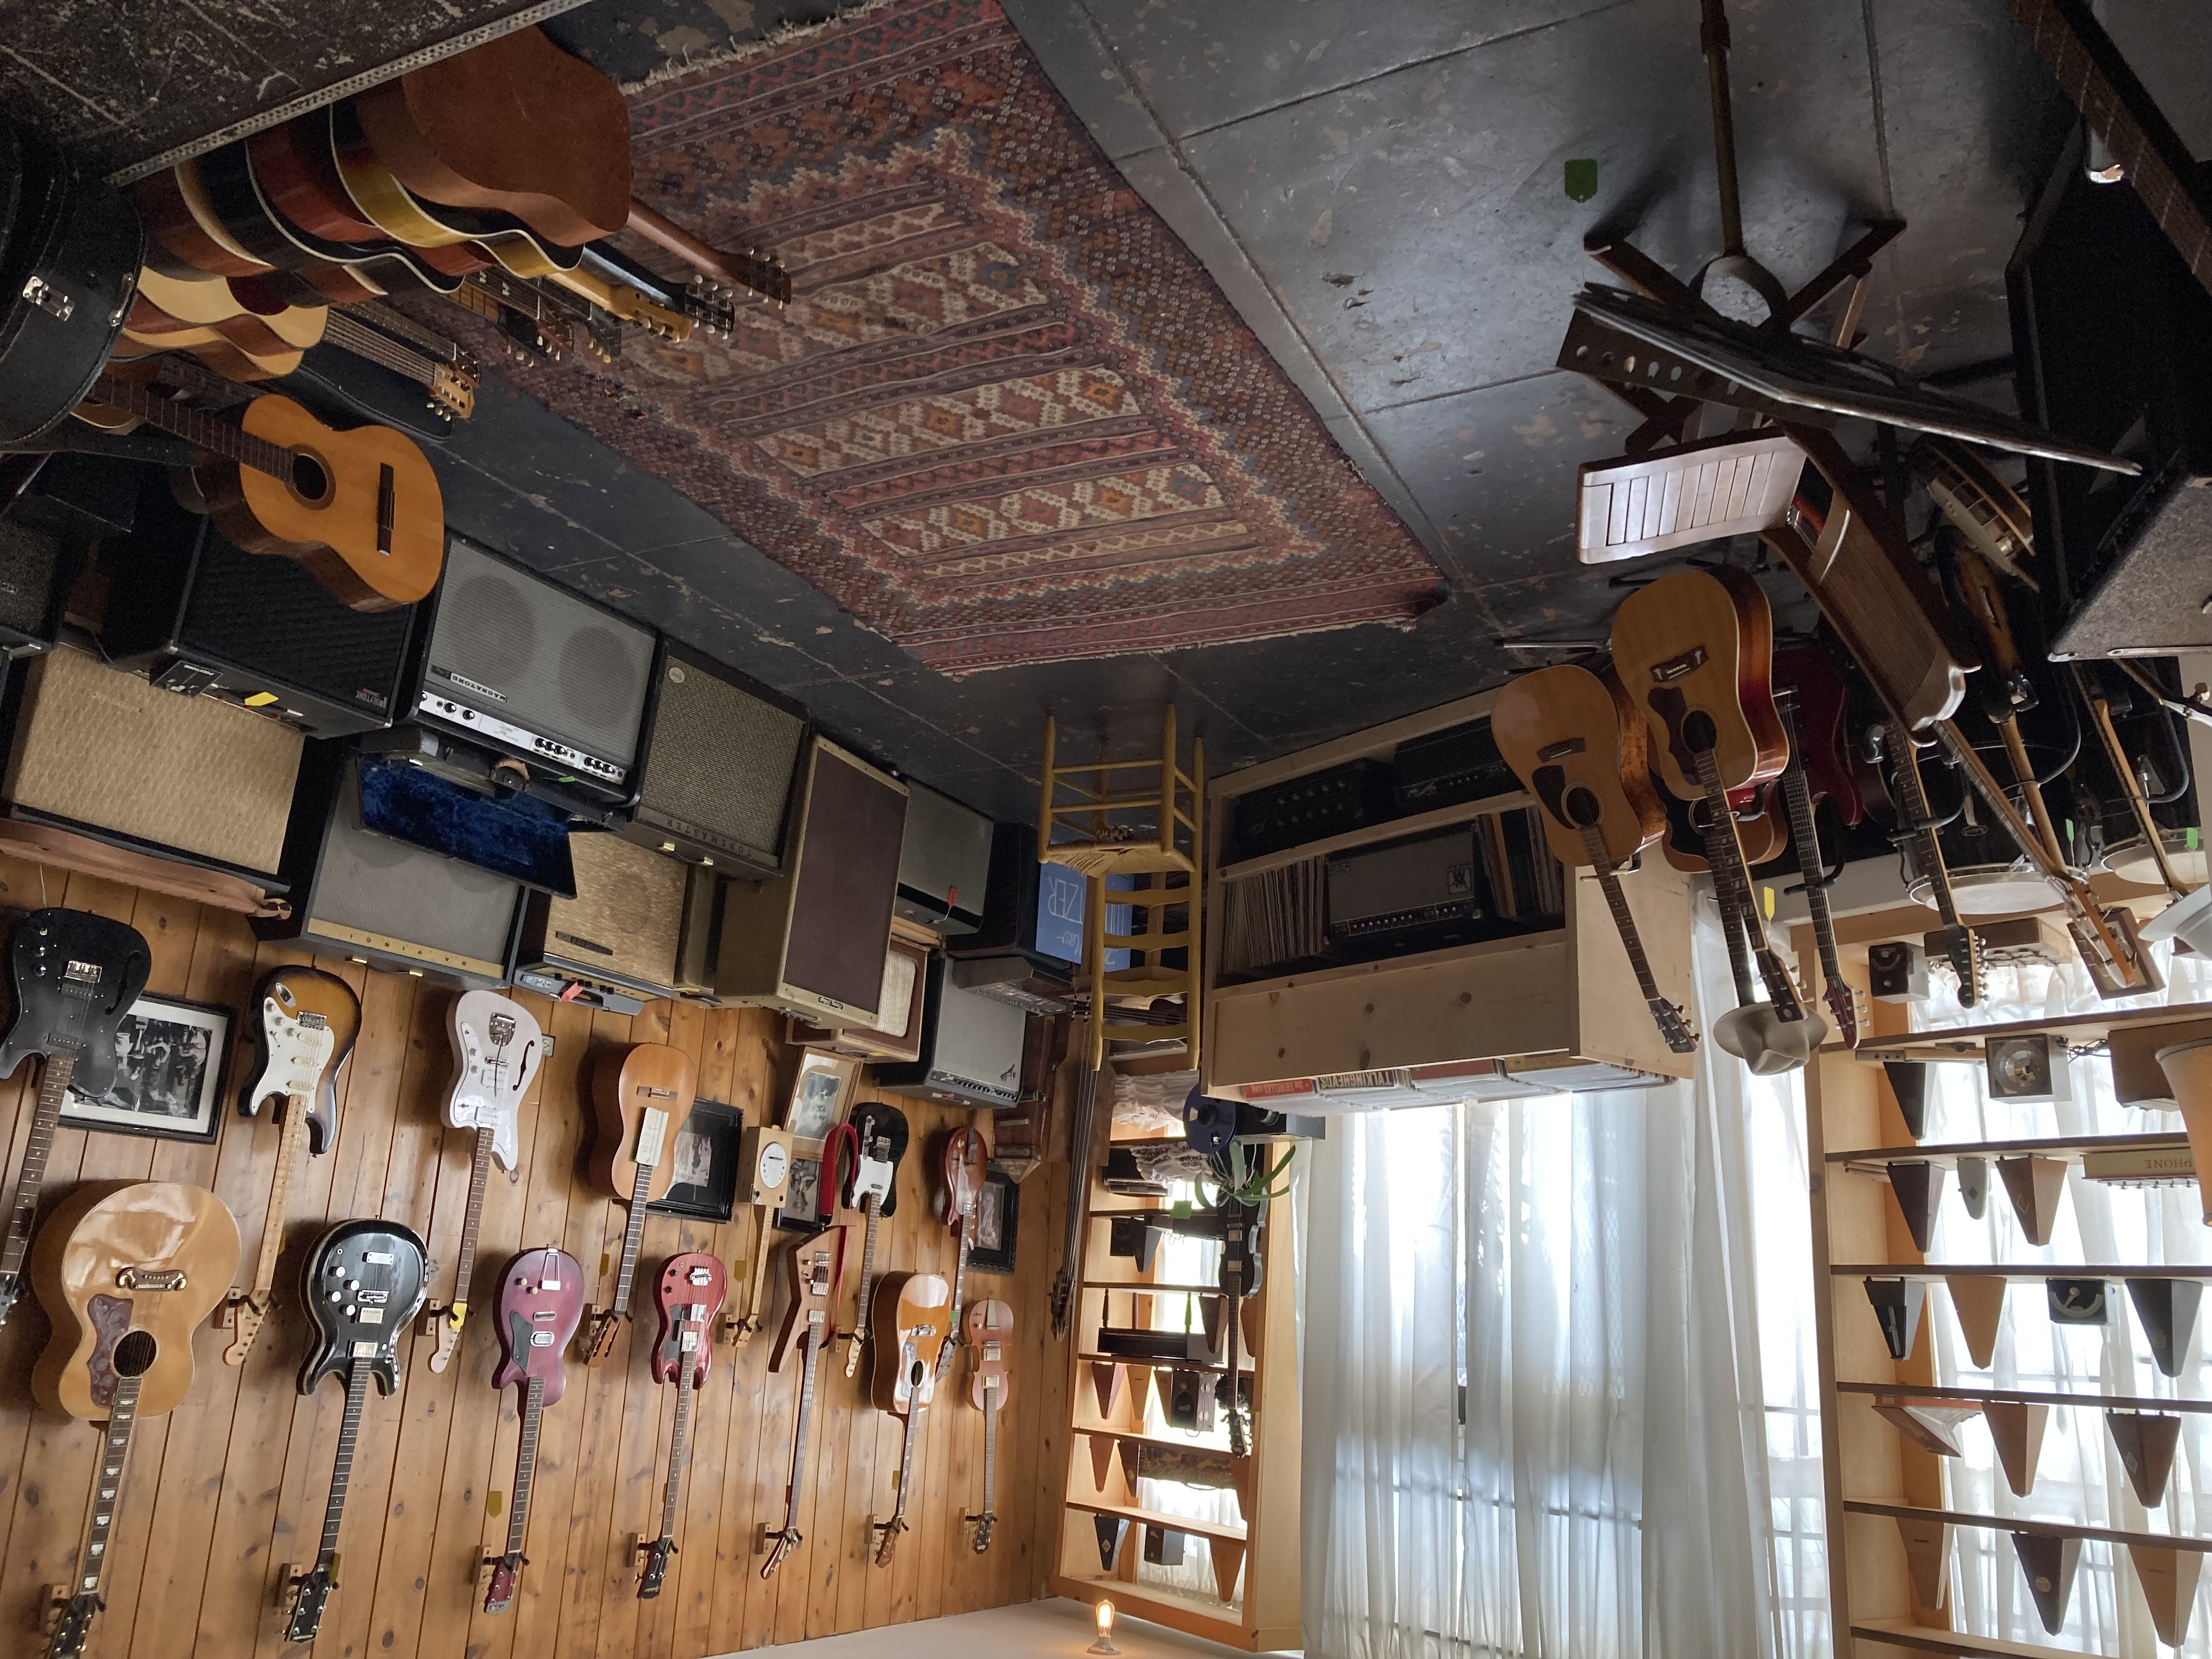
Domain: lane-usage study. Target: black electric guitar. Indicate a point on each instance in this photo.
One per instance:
(688, 1296)
(880, 1133)
(75, 975)
(1797, 795)
(541, 1302)
(1241, 1273)
(362, 1287)
(1959, 944)
(817, 1270)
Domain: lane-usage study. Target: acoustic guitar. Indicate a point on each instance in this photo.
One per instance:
(541, 1302)
(125, 1270)
(964, 1162)
(308, 1022)
(361, 510)
(1579, 748)
(362, 1286)
(497, 1047)
(263, 341)
(913, 1320)
(989, 1329)
(809, 1324)
(641, 1098)
(75, 975)
(880, 1135)
(688, 1296)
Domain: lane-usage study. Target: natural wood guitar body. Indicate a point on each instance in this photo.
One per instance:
(1702, 643)
(651, 1076)
(1573, 737)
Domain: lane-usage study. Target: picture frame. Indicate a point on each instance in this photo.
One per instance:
(171, 1056)
(820, 1094)
(706, 1157)
(998, 1219)
(802, 1193)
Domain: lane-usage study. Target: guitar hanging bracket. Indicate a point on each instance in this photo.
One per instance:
(764, 1537)
(52, 1598)
(288, 1576)
(640, 1547)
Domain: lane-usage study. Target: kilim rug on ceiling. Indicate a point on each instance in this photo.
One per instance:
(1008, 418)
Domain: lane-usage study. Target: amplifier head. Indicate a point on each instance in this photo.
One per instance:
(944, 863)
(719, 766)
(971, 1049)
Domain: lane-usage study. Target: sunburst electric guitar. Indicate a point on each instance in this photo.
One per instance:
(688, 1296)
(913, 1317)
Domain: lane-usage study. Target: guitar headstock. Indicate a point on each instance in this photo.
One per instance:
(453, 390)
(762, 273)
(1674, 1027)
(688, 1295)
(499, 1594)
(984, 1522)
(72, 1625)
(653, 1575)
(11, 1293)
(541, 1302)
(1843, 1004)
(311, 1595)
(75, 976)
(1962, 946)
(709, 305)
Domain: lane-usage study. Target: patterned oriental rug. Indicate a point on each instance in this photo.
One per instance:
(1008, 418)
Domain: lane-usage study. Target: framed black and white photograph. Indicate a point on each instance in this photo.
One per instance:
(819, 1096)
(706, 1157)
(801, 1210)
(998, 1209)
(169, 1060)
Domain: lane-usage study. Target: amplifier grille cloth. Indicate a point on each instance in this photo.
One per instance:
(27, 577)
(387, 887)
(721, 761)
(271, 616)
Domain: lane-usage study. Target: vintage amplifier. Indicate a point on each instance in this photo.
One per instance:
(1012, 954)
(1407, 889)
(515, 665)
(810, 941)
(70, 502)
(696, 938)
(194, 612)
(618, 936)
(944, 863)
(100, 751)
(383, 901)
(971, 1049)
(1284, 815)
(719, 762)
(897, 1034)
(1450, 769)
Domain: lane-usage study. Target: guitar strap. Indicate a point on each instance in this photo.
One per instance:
(840, 1170)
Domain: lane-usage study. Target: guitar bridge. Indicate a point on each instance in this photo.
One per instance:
(1681, 667)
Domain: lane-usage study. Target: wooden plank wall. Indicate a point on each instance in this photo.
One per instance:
(232, 1483)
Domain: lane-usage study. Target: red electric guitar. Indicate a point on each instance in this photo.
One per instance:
(541, 1302)
(688, 1296)
(962, 1167)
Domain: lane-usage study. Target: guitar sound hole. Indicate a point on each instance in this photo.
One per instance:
(1699, 731)
(1582, 808)
(311, 479)
(134, 1355)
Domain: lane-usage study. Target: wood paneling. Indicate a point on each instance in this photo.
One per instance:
(229, 1487)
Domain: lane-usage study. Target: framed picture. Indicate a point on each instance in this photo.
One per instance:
(170, 1055)
(802, 1195)
(998, 1210)
(706, 1154)
(820, 1095)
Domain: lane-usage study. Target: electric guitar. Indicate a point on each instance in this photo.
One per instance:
(360, 510)
(913, 1318)
(1842, 1006)
(541, 1301)
(1959, 944)
(1579, 748)
(308, 1022)
(125, 1270)
(1241, 1272)
(641, 1097)
(963, 1164)
(880, 1133)
(497, 1045)
(989, 1327)
(362, 1287)
(818, 1276)
(688, 1296)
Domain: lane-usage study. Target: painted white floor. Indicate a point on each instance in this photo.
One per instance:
(1035, 1630)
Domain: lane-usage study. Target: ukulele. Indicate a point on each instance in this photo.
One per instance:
(359, 509)
(988, 1327)
(125, 1270)
(308, 1022)
(74, 975)
(688, 1296)
(641, 1097)
(817, 1274)
(912, 1316)
(880, 1133)
(1797, 793)
(962, 1163)
(362, 1287)
(1959, 944)
(541, 1301)
(497, 1047)
(1579, 748)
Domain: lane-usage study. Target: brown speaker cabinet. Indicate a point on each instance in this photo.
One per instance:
(621, 931)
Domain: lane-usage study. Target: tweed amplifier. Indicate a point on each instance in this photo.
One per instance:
(100, 751)
(723, 753)
(810, 941)
(971, 1049)
(944, 863)
(1406, 888)
(378, 900)
(621, 931)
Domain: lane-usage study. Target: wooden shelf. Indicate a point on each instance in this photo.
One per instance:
(1922, 1639)
(1963, 1039)
(1438, 818)
(1161, 1604)
(2056, 1147)
(1159, 1441)
(2050, 1528)
(2118, 1402)
(1228, 1530)
(1244, 1364)
(2018, 1272)
(1389, 965)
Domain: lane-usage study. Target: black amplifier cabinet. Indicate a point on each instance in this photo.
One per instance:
(720, 764)
(971, 1049)
(1001, 958)
(194, 612)
(1451, 767)
(1347, 796)
(52, 509)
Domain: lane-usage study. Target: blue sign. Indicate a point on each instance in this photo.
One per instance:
(1061, 893)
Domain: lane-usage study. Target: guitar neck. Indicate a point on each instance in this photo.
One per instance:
(916, 1411)
(869, 1211)
(1914, 799)
(1079, 1200)
(990, 1449)
(813, 1340)
(959, 1286)
(679, 1447)
(473, 1219)
(54, 1074)
(114, 1453)
(525, 1465)
(342, 1470)
(1797, 797)
(1609, 881)
(631, 1236)
(293, 1136)
(342, 332)
(1731, 883)
(197, 428)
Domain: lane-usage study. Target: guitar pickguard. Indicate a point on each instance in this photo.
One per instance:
(295, 1056)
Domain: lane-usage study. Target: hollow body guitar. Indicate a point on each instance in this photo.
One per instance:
(541, 1302)
(963, 1164)
(688, 1296)
(497, 1049)
(913, 1318)
(641, 1097)
(810, 1325)
(1579, 748)
(125, 1270)
(362, 1287)
(988, 1327)
(74, 975)
(308, 1022)
(880, 1135)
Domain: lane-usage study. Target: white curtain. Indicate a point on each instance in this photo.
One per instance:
(1559, 1383)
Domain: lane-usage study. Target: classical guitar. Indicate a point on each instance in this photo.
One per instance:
(1579, 748)
(497, 1047)
(360, 509)
(75, 975)
(250, 342)
(308, 1022)
(913, 1318)
(1796, 790)
(541, 1301)
(362, 1286)
(880, 1134)
(688, 1296)
(125, 1270)
(989, 1329)
(641, 1098)
(1959, 944)
(962, 1163)
(809, 1324)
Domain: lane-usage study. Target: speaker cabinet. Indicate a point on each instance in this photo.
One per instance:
(375, 899)
(719, 766)
(971, 1049)
(102, 752)
(896, 1035)
(620, 932)
(810, 941)
(945, 864)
